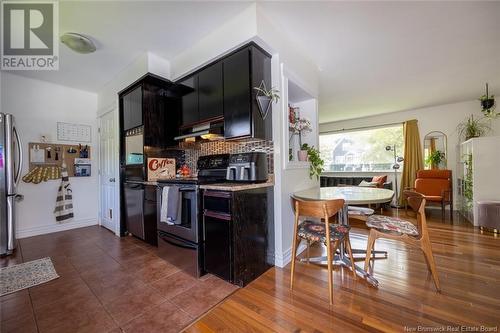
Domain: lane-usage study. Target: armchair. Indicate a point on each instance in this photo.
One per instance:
(436, 186)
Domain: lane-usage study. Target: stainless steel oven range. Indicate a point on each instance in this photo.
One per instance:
(181, 244)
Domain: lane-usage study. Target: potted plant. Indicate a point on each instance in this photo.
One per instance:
(265, 98)
(473, 128)
(434, 159)
(316, 164)
(303, 154)
(300, 126)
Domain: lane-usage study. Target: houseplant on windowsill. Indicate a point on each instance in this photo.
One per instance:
(434, 159)
(300, 126)
(316, 164)
(473, 128)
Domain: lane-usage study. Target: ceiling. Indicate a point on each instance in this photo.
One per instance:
(379, 57)
(123, 30)
(373, 57)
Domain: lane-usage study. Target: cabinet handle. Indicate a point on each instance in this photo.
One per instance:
(215, 215)
(217, 194)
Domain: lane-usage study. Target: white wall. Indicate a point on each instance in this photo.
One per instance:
(147, 62)
(37, 107)
(444, 118)
(226, 38)
(288, 178)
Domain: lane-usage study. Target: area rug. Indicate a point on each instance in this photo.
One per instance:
(26, 275)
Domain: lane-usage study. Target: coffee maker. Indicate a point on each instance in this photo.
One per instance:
(247, 167)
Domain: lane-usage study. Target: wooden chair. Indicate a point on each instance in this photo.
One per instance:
(332, 235)
(405, 231)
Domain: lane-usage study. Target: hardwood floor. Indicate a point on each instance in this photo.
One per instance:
(468, 264)
(106, 284)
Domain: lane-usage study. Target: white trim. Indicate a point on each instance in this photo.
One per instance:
(113, 109)
(110, 108)
(281, 260)
(47, 229)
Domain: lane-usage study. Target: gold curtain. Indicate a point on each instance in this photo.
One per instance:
(412, 155)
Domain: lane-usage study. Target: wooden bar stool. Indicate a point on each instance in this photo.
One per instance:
(332, 235)
(405, 231)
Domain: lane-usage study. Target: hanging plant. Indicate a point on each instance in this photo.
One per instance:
(265, 98)
(488, 104)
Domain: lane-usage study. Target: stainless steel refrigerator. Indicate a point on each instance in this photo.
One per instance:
(11, 160)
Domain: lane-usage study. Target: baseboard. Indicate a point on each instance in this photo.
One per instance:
(47, 229)
(281, 260)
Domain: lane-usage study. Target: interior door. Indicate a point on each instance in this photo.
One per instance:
(108, 167)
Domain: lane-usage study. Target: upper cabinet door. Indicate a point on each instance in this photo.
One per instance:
(190, 113)
(210, 92)
(132, 108)
(237, 95)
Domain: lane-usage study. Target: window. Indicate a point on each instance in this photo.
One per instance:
(362, 150)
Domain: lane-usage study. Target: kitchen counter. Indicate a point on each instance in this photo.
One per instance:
(233, 187)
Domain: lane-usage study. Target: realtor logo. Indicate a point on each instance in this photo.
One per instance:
(29, 35)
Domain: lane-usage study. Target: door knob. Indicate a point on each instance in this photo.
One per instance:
(111, 180)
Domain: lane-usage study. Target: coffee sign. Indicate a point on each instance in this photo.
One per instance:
(161, 168)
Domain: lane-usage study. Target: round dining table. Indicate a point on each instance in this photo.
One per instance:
(352, 195)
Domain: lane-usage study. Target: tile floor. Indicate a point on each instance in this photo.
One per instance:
(106, 284)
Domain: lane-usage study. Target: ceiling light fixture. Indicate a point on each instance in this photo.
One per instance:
(78, 43)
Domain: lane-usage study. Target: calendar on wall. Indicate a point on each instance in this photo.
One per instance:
(74, 132)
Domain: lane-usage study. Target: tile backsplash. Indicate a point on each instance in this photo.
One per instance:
(193, 151)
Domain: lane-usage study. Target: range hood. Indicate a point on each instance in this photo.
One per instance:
(204, 131)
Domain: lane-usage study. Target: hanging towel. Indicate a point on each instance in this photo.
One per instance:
(64, 201)
(170, 205)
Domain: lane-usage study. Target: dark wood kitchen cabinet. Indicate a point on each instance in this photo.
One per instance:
(205, 100)
(210, 92)
(190, 113)
(238, 233)
(226, 88)
(152, 103)
(149, 119)
(243, 71)
(132, 108)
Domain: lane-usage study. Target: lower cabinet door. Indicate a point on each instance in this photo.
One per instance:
(217, 244)
(134, 209)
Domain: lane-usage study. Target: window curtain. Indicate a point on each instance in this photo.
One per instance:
(412, 155)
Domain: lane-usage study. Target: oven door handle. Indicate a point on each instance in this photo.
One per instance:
(172, 241)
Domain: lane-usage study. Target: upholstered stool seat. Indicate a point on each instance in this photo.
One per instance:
(359, 211)
(392, 224)
(315, 231)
